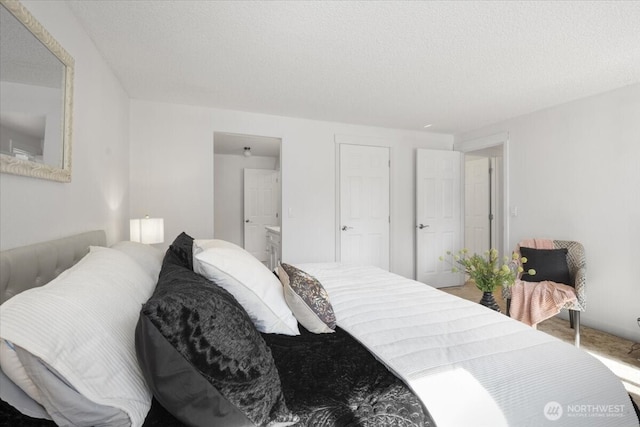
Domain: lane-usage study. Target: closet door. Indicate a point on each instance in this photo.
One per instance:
(364, 205)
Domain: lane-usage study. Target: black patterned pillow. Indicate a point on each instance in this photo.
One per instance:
(202, 357)
(181, 251)
(307, 299)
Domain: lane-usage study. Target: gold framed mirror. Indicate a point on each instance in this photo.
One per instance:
(36, 102)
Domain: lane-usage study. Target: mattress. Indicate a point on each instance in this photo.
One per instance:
(468, 364)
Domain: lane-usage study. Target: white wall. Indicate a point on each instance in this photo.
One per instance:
(33, 210)
(172, 174)
(575, 175)
(229, 193)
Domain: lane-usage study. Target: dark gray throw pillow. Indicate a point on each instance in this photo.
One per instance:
(203, 358)
(549, 264)
(180, 252)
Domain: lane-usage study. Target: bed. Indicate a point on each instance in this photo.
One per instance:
(359, 346)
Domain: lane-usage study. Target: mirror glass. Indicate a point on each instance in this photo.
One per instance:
(36, 76)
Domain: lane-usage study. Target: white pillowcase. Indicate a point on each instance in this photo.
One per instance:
(147, 257)
(82, 324)
(13, 369)
(256, 288)
(215, 243)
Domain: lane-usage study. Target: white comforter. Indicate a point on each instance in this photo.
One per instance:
(469, 365)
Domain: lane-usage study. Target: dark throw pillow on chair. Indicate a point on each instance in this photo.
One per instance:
(549, 264)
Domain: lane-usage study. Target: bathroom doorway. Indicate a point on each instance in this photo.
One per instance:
(247, 191)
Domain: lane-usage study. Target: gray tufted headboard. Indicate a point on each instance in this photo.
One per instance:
(34, 265)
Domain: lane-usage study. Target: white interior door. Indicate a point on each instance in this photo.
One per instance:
(496, 148)
(261, 195)
(438, 215)
(364, 205)
(477, 233)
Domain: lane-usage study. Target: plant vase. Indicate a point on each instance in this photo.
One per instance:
(489, 301)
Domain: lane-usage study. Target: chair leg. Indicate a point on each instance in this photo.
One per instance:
(571, 318)
(508, 307)
(576, 316)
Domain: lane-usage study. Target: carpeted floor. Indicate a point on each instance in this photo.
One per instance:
(613, 351)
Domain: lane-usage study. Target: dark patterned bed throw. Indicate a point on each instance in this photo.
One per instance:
(332, 380)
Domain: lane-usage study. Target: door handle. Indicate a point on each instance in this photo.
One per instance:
(421, 226)
(346, 227)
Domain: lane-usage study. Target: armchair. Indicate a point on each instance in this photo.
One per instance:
(576, 263)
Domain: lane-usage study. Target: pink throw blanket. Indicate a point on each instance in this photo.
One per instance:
(533, 302)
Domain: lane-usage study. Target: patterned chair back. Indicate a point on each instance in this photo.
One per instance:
(577, 262)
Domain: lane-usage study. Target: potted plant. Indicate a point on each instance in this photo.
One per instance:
(487, 271)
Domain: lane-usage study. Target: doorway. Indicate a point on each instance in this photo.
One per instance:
(486, 193)
(235, 156)
(479, 226)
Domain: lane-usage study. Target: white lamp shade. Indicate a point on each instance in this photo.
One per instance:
(147, 230)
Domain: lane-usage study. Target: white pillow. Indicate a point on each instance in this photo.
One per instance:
(148, 257)
(13, 369)
(256, 288)
(215, 243)
(82, 324)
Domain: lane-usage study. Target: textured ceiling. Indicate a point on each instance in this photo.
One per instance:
(456, 65)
